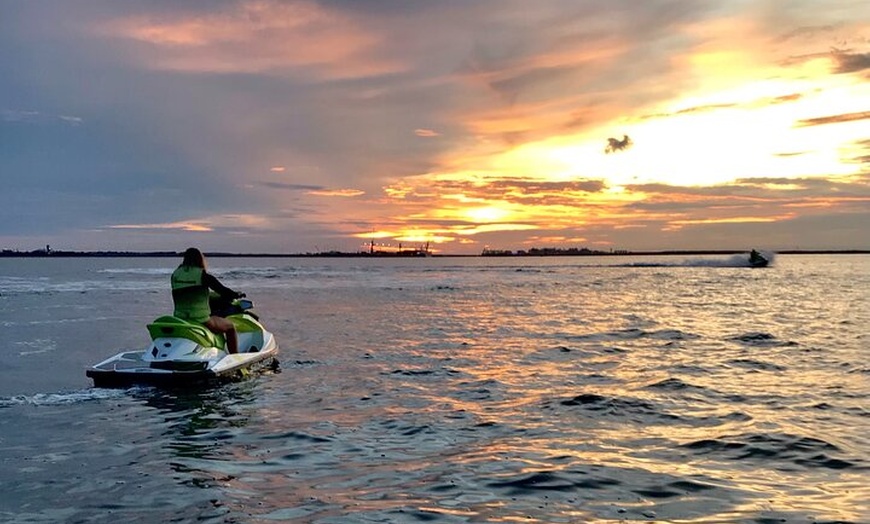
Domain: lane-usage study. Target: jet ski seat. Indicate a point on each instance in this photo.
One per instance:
(168, 326)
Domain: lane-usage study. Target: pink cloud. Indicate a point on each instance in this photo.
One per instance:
(258, 37)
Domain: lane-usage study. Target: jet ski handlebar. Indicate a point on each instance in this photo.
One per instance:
(224, 306)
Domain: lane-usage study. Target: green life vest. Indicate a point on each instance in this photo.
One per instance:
(190, 294)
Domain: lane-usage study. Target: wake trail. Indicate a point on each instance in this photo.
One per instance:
(63, 398)
(741, 260)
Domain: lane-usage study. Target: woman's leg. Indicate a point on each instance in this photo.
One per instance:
(224, 326)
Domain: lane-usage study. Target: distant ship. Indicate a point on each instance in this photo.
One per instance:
(401, 252)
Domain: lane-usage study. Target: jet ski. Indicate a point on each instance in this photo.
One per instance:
(756, 259)
(184, 353)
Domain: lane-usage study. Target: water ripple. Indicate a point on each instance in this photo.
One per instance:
(801, 450)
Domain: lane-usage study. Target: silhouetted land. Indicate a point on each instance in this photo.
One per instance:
(534, 252)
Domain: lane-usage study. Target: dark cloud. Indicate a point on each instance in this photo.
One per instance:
(617, 144)
(510, 190)
(833, 119)
(764, 189)
(533, 186)
(788, 98)
(790, 153)
(760, 102)
(704, 109)
(568, 194)
(863, 155)
(807, 32)
(393, 7)
(851, 62)
(292, 187)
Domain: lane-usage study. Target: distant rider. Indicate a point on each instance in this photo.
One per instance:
(190, 292)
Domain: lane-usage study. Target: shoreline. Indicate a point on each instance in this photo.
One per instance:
(171, 254)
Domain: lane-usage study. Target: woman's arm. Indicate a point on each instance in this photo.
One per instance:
(214, 284)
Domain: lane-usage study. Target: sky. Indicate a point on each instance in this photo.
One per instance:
(319, 125)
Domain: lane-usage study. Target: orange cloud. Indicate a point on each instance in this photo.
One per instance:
(258, 36)
(731, 220)
(181, 226)
(203, 225)
(833, 119)
(337, 192)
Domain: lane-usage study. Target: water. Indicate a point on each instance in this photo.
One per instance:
(451, 390)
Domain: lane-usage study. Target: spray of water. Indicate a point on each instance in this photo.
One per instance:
(740, 260)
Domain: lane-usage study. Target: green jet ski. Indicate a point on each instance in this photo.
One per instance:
(184, 353)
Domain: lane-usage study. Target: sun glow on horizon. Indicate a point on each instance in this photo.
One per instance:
(756, 129)
(489, 214)
(713, 144)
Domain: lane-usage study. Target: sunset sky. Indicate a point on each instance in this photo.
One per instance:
(302, 126)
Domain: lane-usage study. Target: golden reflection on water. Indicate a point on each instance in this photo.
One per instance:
(633, 392)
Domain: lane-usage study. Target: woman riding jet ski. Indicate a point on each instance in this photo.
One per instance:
(190, 293)
(200, 342)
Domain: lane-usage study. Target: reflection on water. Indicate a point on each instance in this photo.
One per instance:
(471, 392)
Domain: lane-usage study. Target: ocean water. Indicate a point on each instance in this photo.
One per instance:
(612, 389)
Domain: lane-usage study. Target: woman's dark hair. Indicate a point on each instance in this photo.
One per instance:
(193, 258)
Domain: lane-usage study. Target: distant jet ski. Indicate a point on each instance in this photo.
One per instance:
(185, 353)
(756, 259)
